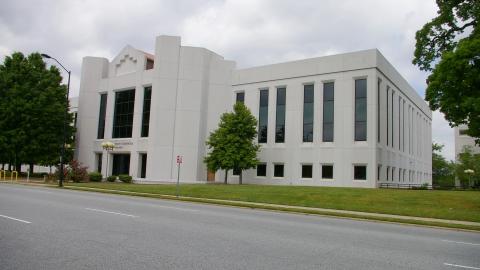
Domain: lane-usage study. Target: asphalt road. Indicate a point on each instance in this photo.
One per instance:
(43, 228)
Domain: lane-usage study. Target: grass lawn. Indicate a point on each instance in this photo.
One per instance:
(455, 205)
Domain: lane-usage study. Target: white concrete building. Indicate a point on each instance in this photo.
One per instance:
(462, 140)
(341, 120)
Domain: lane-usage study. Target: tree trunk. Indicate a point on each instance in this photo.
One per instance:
(9, 167)
(31, 167)
(240, 178)
(18, 167)
(226, 175)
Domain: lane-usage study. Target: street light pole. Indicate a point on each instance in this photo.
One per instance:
(62, 153)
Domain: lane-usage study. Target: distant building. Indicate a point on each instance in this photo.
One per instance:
(344, 120)
(462, 140)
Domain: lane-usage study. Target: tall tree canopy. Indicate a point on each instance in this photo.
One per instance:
(32, 108)
(449, 47)
(232, 144)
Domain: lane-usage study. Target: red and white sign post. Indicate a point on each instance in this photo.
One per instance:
(179, 161)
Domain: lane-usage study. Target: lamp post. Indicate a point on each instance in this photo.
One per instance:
(469, 172)
(107, 146)
(62, 154)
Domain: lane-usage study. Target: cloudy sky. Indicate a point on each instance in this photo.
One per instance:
(251, 32)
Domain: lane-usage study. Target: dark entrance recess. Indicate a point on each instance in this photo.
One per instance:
(121, 164)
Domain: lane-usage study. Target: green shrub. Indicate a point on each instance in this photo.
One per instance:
(95, 177)
(125, 178)
(112, 178)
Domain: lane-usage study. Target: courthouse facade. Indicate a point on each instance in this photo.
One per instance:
(342, 120)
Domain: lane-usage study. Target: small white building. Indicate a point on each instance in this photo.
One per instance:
(462, 140)
(342, 120)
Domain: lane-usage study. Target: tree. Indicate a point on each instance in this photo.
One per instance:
(467, 160)
(442, 170)
(452, 42)
(232, 144)
(32, 108)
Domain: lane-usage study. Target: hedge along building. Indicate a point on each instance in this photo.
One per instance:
(341, 120)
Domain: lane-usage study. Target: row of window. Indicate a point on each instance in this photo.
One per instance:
(408, 123)
(121, 164)
(359, 171)
(403, 175)
(123, 114)
(308, 112)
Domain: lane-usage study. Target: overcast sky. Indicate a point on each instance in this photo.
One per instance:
(251, 32)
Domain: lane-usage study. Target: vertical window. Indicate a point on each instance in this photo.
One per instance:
(147, 97)
(379, 169)
(328, 111)
(263, 117)
(101, 116)
(403, 127)
(280, 115)
(262, 169)
(123, 116)
(388, 112)
(399, 121)
(378, 110)
(393, 174)
(149, 64)
(307, 171)
(278, 170)
(143, 165)
(393, 92)
(388, 173)
(240, 97)
(327, 171)
(361, 110)
(99, 157)
(308, 113)
(360, 172)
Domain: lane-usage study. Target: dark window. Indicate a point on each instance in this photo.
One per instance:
(361, 110)
(463, 131)
(147, 97)
(101, 116)
(263, 117)
(393, 123)
(262, 170)
(75, 118)
(308, 113)
(403, 127)
(327, 172)
(388, 112)
(388, 173)
(328, 111)
(99, 162)
(399, 121)
(143, 167)
(121, 164)
(378, 110)
(280, 116)
(240, 97)
(278, 170)
(379, 167)
(149, 64)
(123, 116)
(236, 171)
(307, 171)
(360, 172)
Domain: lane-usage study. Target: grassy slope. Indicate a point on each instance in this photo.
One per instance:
(455, 205)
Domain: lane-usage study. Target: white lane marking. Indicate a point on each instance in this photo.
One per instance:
(177, 208)
(465, 243)
(20, 220)
(109, 212)
(461, 266)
